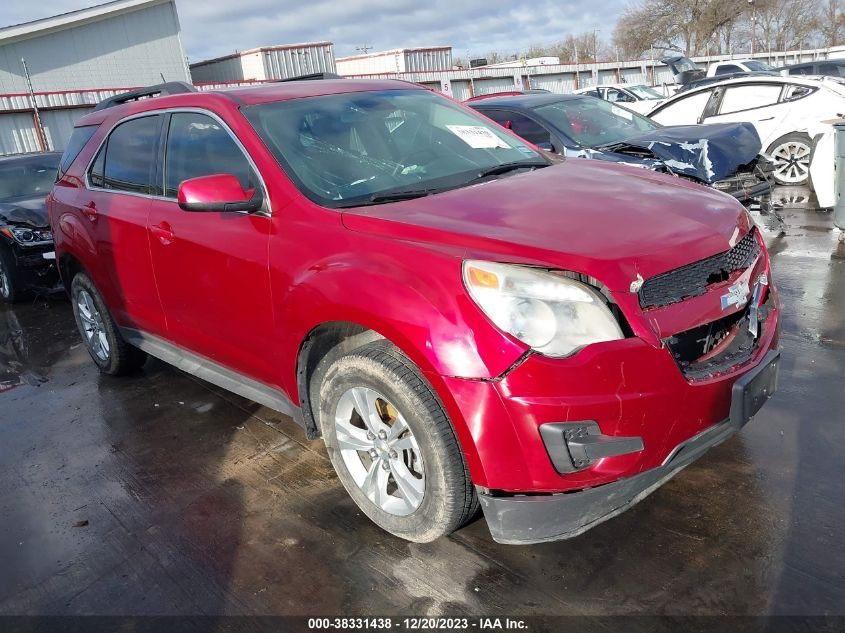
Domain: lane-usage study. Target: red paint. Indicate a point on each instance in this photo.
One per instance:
(246, 290)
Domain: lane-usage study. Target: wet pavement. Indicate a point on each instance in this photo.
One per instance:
(160, 494)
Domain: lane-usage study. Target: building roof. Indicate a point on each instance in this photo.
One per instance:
(72, 19)
(396, 51)
(260, 49)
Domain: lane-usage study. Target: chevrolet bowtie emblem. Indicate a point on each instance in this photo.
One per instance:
(737, 295)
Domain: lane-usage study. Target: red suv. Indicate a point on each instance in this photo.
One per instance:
(461, 318)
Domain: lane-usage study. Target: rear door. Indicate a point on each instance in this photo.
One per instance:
(211, 268)
(758, 103)
(115, 204)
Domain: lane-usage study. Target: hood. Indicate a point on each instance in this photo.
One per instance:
(30, 212)
(709, 153)
(608, 221)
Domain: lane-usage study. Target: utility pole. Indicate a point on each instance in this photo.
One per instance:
(36, 116)
(753, 23)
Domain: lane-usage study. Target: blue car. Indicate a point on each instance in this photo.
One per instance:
(725, 156)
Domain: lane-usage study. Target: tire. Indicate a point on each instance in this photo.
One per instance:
(111, 353)
(436, 495)
(791, 154)
(10, 287)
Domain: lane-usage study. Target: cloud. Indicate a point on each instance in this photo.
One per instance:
(211, 28)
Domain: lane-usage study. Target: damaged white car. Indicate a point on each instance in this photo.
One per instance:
(785, 111)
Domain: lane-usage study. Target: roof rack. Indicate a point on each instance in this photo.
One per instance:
(169, 88)
(311, 77)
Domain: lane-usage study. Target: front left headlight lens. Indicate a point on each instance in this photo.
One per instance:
(29, 236)
(552, 314)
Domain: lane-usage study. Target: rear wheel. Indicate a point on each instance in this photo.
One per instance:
(112, 354)
(392, 445)
(791, 155)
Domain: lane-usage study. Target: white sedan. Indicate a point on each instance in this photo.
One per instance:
(640, 99)
(784, 110)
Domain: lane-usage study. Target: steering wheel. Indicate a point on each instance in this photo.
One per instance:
(413, 160)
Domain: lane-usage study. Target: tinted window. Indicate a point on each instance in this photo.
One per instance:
(802, 70)
(80, 136)
(520, 125)
(728, 69)
(740, 98)
(130, 156)
(831, 69)
(197, 145)
(593, 122)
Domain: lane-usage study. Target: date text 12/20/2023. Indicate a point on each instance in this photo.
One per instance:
(417, 624)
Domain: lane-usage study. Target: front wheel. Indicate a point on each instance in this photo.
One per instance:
(392, 445)
(10, 287)
(791, 155)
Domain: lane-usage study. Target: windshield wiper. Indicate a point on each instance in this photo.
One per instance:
(507, 167)
(396, 196)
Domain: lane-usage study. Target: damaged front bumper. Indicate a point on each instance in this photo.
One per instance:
(525, 519)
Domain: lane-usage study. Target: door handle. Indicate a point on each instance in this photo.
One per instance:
(163, 232)
(90, 211)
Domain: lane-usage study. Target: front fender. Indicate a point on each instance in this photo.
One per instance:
(423, 309)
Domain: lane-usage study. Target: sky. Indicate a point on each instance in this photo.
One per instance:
(211, 28)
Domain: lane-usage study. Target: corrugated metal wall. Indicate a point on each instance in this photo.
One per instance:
(293, 62)
(18, 135)
(434, 59)
(224, 70)
(398, 61)
(132, 49)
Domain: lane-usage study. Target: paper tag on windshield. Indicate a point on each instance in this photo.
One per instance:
(477, 136)
(625, 114)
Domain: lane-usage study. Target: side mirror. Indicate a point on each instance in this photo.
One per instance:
(218, 192)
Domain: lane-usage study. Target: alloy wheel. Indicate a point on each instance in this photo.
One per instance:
(379, 450)
(92, 325)
(792, 162)
(5, 282)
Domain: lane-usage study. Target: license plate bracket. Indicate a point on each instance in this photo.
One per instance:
(752, 391)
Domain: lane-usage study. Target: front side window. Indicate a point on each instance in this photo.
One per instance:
(357, 148)
(126, 161)
(618, 96)
(739, 98)
(197, 145)
(592, 122)
(683, 111)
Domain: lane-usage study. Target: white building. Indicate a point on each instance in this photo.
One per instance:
(76, 58)
(401, 60)
(266, 63)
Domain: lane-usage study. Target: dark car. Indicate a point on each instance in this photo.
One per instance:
(27, 258)
(821, 67)
(725, 156)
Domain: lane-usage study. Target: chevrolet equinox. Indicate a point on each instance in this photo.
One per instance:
(463, 319)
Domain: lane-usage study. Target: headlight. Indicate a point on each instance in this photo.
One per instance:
(552, 314)
(28, 236)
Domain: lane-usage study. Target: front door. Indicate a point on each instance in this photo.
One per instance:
(211, 268)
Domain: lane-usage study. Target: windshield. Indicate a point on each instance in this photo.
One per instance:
(27, 178)
(348, 149)
(592, 122)
(644, 92)
(756, 66)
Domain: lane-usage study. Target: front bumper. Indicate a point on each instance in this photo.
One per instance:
(525, 519)
(36, 265)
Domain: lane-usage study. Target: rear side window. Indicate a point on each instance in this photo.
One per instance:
(802, 70)
(126, 161)
(78, 139)
(739, 98)
(197, 145)
(728, 69)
